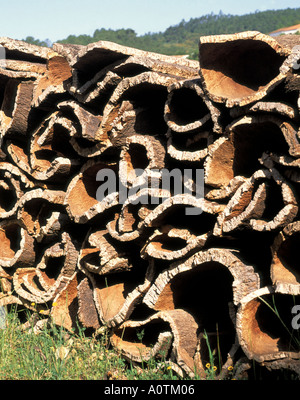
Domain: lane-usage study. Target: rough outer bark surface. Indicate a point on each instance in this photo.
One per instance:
(187, 267)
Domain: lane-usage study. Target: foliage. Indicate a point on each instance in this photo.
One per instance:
(57, 354)
(182, 39)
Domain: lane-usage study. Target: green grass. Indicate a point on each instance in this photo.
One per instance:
(55, 354)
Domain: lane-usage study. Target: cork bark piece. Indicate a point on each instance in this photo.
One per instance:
(34, 209)
(116, 295)
(51, 155)
(64, 310)
(135, 187)
(57, 72)
(188, 147)
(95, 57)
(87, 312)
(15, 107)
(187, 107)
(284, 270)
(13, 185)
(86, 124)
(17, 246)
(165, 292)
(238, 152)
(273, 107)
(147, 90)
(231, 59)
(178, 233)
(250, 205)
(101, 254)
(20, 50)
(142, 153)
(81, 199)
(261, 331)
(172, 329)
(42, 283)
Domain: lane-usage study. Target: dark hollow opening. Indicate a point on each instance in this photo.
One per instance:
(250, 141)
(247, 65)
(288, 254)
(186, 106)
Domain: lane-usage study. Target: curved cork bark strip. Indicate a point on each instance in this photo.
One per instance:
(128, 225)
(246, 140)
(253, 204)
(284, 267)
(261, 333)
(188, 147)
(37, 284)
(187, 107)
(274, 107)
(17, 246)
(178, 233)
(15, 107)
(6, 282)
(218, 168)
(81, 197)
(58, 71)
(18, 152)
(96, 92)
(147, 90)
(177, 205)
(103, 55)
(290, 165)
(132, 117)
(54, 223)
(13, 185)
(64, 310)
(154, 345)
(23, 60)
(20, 69)
(174, 328)
(20, 50)
(101, 254)
(266, 133)
(218, 274)
(87, 312)
(83, 141)
(231, 59)
(99, 88)
(34, 209)
(167, 291)
(51, 155)
(6, 300)
(227, 191)
(284, 364)
(116, 295)
(44, 102)
(112, 228)
(169, 243)
(140, 152)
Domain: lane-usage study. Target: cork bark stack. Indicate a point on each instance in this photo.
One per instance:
(193, 282)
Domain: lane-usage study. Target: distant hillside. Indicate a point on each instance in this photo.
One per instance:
(183, 38)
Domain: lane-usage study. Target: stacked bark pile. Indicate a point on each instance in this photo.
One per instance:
(190, 282)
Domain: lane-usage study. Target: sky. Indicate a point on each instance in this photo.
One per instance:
(57, 19)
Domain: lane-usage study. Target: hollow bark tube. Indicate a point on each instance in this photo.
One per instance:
(231, 60)
(174, 328)
(284, 267)
(264, 327)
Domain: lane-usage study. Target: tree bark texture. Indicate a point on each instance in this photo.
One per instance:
(171, 274)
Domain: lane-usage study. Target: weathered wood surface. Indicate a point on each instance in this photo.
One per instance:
(143, 263)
